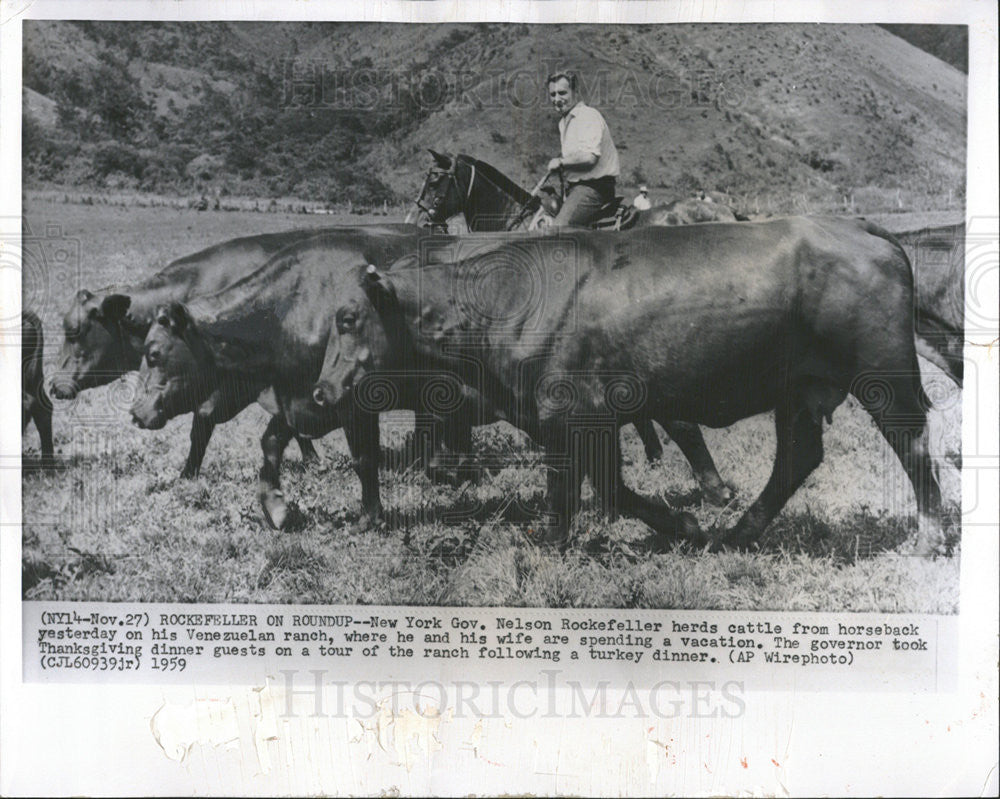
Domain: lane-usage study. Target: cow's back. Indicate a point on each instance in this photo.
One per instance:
(219, 266)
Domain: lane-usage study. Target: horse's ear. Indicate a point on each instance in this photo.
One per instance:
(443, 161)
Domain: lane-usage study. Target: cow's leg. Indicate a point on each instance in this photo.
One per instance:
(563, 461)
(457, 434)
(563, 483)
(309, 454)
(799, 451)
(903, 423)
(428, 434)
(454, 434)
(362, 432)
(457, 437)
(273, 443)
(224, 404)
(201, 432)
(41, 412)
(650, 441)
(689, 438)
(605, 469)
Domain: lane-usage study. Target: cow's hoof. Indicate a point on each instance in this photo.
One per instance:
(689, 529)
(465, 472)
(272, 502)
(735, 540)
(310, 457)
(189, 472)
(720, 494)
(471, 472)
(551, 538)
(368, 525)
(717, 541)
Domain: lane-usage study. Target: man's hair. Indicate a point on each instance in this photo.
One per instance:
(560, 75)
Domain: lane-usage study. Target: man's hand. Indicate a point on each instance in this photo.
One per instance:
(555, 164)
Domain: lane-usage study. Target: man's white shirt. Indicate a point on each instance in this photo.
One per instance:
(583, 129)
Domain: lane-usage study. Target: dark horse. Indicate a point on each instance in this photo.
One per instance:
(490, 201)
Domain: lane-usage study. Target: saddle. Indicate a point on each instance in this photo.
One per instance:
(613, 215)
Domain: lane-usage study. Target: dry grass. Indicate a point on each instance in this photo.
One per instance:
(114, 522)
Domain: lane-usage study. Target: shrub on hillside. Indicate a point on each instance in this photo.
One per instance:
(116, 157)
(203, 167)
(43, 156)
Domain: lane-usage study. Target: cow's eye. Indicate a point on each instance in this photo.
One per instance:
(347, 321)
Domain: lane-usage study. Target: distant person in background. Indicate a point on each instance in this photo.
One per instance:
(589, 160)
(641, 202)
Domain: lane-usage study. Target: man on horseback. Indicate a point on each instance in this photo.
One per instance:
(589, 159)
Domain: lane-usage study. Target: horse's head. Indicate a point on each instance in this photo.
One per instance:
(440, 197)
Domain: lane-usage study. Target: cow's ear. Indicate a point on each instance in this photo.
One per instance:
(375, 279)
(115, 306)
(443, 161)
(378, 287)
(180, 319)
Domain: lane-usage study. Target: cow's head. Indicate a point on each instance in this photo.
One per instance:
(96, 348)
(359, 342)
(176, 369)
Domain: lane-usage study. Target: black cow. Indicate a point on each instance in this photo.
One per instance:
(104, 332)
(35, 403)
(708, 324)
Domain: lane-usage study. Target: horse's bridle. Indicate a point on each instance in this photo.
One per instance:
(435, 173)
(450, 174)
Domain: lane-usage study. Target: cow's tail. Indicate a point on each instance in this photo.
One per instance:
(936, 339)
(941, 344)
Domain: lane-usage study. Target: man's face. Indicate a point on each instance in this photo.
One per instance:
(562, 96)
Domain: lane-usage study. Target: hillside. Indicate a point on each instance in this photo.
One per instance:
(784, 115)
(950, 43)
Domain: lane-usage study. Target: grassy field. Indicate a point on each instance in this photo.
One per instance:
(114, 522)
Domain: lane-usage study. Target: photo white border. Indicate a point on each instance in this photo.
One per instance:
(69, 739)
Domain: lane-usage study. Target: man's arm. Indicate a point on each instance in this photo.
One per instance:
(583, 142)
(579, 159)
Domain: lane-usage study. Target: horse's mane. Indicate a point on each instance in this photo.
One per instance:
(497, 177)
